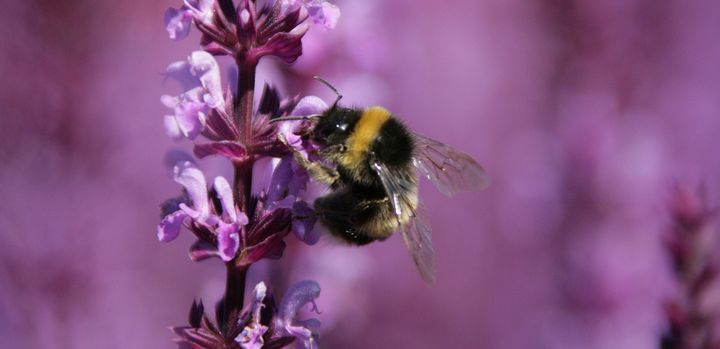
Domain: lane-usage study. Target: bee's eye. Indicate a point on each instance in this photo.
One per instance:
(321, 134)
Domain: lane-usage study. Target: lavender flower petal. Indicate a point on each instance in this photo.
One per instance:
(201, 10)
(258, 296)
(200, 77)
(323, 13)
(170, 225)
(252, 335)
(228, 240)
(309, 105)
(177, 23)
(225, 194)
(205, 67)
(172, 128)
(189, 113)
(279, 182)
(304, 222)
(190, 177)
(297, 296)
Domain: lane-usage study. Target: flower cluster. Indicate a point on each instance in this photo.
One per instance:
(263, 324)
(691, 243)
(275, 29)
(231, 220)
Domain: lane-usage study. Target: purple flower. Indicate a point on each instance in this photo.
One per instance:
(177, 21)
(221, 225)
(291, 131)
(298, 296)
(200, 76)
(249, 34)
(321, 12)
(261, 325)
(287, 182)
(251, 336)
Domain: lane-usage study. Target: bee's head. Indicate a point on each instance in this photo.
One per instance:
(334, 126)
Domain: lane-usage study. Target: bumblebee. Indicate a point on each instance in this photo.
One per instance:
(371, 162)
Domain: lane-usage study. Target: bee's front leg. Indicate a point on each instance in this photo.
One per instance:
(319, 171)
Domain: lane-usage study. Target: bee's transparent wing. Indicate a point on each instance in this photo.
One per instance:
(416, 234)
(448, 169)
(395, 187)
(418, 241)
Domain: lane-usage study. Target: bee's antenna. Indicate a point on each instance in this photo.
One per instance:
(292, 118)
(339, 95)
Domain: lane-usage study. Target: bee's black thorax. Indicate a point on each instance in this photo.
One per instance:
(393, 145)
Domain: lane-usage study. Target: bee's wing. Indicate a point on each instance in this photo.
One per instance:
(448, 169)
(416, 234)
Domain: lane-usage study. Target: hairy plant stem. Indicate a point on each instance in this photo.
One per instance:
(243, 108)
(242, 115)
(234, 292)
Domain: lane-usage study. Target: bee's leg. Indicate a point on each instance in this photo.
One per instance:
(317, 170)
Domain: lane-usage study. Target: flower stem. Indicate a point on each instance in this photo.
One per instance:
(234, 292)
(242, 115)
(243, 108)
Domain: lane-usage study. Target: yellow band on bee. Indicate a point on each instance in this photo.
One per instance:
(364, 133)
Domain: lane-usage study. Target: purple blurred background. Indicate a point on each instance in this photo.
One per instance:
(585, 113)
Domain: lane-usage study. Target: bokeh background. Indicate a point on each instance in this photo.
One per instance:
(585, 113)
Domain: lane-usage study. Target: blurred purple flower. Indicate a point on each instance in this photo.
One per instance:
(297, 296)
(692, 323)
(200, 77)
(321, 12)
(177, 21)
